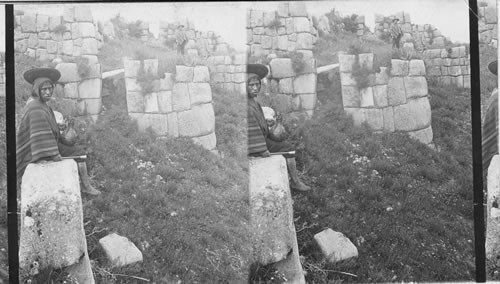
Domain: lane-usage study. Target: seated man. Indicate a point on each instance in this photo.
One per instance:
(38, 137)
(259, 141)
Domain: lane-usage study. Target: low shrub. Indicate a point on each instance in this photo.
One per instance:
(135, 29)
(274, 24)
(83, 67)
(298, 62)
(350, 24)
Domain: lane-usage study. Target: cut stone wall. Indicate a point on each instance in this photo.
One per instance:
(180, 105)
(228, 72)
(2, 78)
(395, 100)
(51, 232)
(448, 66)
(271, 217)
(69, 36)
(493, 212)
(488, 25)
(288, 29)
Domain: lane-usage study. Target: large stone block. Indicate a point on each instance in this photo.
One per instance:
(67, 48)
(83, 13)
(374, 118)
(304, 41)
(22, 45)
(283, 9)
(51, 46)
(351, 96)
(281, 68)
(367, 97)
(301, 24)
(297, 9)
(180, 97)
(132, 85)
(151, 103)
(415, 87)
(424, 135)
(380, 96)
(33, 41)
(201, 74)
(54, 21)
(79, 30)
(71, 90)
(388, 114)
(347, 79)
(346, 62)
(90, 88)
(417, 68)
(256, 18)
(135, 102)
(414, 115)
(69, 72)
(172, 125)
(41, 54)
(184, 73)
(396, 94)
(305, 84)
(28, 23)
(240, 77)
(208, 142)
(399, 67)
(89, 46)
(200, 93)
(366, 60)
(51, 231)
(93, 106)
(266, 42)
(490, 15)
(119, 250)
(198, 121)
(357, 114)
(307, 101)
(165, 101)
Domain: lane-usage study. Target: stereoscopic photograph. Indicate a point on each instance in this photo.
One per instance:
(249, 142)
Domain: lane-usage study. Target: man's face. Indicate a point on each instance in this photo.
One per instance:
(46, 92)
(253, 87)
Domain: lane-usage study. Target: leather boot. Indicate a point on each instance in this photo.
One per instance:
(292, 171)
(84, 177)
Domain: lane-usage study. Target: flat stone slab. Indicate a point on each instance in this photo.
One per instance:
(119, 250)
(335, 246)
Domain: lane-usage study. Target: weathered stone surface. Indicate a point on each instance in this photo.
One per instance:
(198, 121)
(417, 68)
(297, 9)
(414, 115)
(180, 97)
(165, 101)
(208, 142)
(347, 79)
(256, 18)
(366, 60)
(93, 106)
(399, 67)
(119, 250)
(357, 114)
(90, 88)
(415, 87)
(305, 84)
(83, 13)
(281, 68)
(201, 74)
(367, 97)
(380, 96)
(28, 23)
(71, 90)
(490, 15)
(200, 93)
(67, 47)
(346, 62)
(304, 41)
(41, 54)
(308, 101)
(172, 124)
(396, 91)
(89, 46)
(184, 73)
(69, 72)
(51, 231)
(388, 114)
(132, 85)
(151, 103)
(135, 102)
(351, 96)
(286, 86)
(79, 30)
(335, 246)
(151, 66)
(493, 212)
(42, 23)
(301, 24)
(425, 135)
(283, 9)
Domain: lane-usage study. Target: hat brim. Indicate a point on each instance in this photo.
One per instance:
(493, 67)
(259, 69)
(31, 75)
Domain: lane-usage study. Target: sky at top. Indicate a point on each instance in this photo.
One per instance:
(228, 19)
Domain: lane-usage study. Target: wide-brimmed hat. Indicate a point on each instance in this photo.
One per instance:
(258, 69)
(493, 67)
(31, 75)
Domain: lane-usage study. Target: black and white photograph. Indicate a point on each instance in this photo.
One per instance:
(250, 142)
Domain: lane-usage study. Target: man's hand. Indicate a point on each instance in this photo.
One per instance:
(265, 154)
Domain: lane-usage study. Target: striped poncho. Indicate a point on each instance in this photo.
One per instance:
(490, 131)
(37, 135)
(257, 128)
